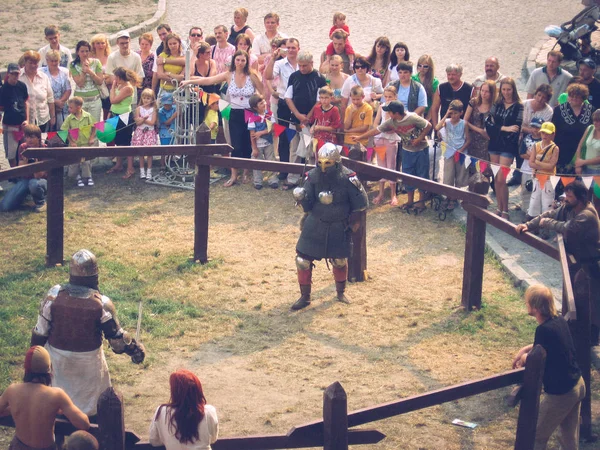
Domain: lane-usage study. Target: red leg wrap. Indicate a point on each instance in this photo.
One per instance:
(305, 277)
(340, 273)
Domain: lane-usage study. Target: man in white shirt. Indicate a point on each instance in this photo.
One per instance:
(52, 34)
(551, 74)
(262, 42)
(124, 58)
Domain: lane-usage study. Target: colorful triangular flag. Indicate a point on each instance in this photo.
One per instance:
(505, 171)
(74, 133)
(51, 134)
(484, 165)
(86, 131)
(222, 104)
(369, 154)
(269, 125)
(542, 178)
(44, 136)
(554, 181)
(597, 180)
(226, 112)
(63, 134)
(495, 168)
(307, 139)
(248, 116)
(204, 97)
(468, 160)
(587, 181)
(99, 126)
(380, 150)
(290, 133)
(113, 121)
(345, 150)
(124, 118)
(567, 180)
(278, 129)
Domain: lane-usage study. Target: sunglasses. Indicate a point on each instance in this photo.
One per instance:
(422, 66)
(195, 35)
(359, 67)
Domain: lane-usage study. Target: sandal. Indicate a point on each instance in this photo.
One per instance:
(419, 209)
(505, 215)
(114, 169)
(128, 175)
(230, 182)
(406, 207)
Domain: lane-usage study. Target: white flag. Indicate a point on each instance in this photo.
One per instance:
(467, 160)
(495, 168)
(124, 118)
(554, 181)
(223, 104)
(587, 181)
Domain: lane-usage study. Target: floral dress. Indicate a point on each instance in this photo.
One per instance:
(478, 147)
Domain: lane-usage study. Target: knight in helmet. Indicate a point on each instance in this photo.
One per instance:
(72, 321)
(331, 197)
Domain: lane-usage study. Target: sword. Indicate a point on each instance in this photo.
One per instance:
(139, 323)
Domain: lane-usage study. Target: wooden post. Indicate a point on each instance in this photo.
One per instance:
(530, 398)
(55, 217)
(201, 204)
(335, 418)
(357, 263)
(111, 420)
(580, 332)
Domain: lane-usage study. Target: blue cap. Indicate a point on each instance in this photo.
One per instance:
(166, 98)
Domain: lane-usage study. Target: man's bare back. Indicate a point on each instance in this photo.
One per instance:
(33, 407)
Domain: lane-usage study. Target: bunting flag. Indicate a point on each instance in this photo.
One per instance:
(444, 147)
(290, 133)
(226, 112)
(18, 135)
(484, 165)
(467, 161)
(269, 125)
(542, 178)
(315, 143)
(249, 116)
(478, 166)
(86, 131)
(99, 126)
(214, 97)
(204, 98)
(44, 136)
(278, 129)
(74, 133)
(124, 118)
(51, 134)
(587, 181)
(222, 104)
(554, 181)
(495, 168)
(307, 139)
(306, 130)
(345, 150)
(567, 180)
(456, 157)
(63, 134)
(380, 150)
(597, 180)
(114, 121)
(321, 143)
(505, 171)
(369, 154)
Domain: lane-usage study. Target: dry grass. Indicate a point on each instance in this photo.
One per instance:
(262, 366)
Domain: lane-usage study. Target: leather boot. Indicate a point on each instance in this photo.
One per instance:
(340, 287)
(304, 299)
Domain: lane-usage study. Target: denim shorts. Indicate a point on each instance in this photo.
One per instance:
(415, 163)
(502, 154)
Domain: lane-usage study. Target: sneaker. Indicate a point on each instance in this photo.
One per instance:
(149, 174)
(90, 182)
(80, 182)
(39, 208)
(258, 187)
(142, 174)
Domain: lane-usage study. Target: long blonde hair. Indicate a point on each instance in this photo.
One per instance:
(99, 38)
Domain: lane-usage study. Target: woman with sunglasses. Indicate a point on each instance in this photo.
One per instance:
(205, 67)
(426, 76)
(371, 86)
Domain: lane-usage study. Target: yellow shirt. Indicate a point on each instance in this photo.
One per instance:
(360, 117)
(212, 117)
(172, 69)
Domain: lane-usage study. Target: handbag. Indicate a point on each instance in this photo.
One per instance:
(104, 92)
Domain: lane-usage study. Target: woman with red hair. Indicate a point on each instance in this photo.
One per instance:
(186, 422)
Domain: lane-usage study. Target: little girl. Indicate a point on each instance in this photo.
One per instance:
(456, 139)
(211, 119)
(145, 131)
(543, 159)
(339, 23)
(390, 142)
(261, 139)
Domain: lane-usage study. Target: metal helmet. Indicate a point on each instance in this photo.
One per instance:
(329, 155)
(83, 264)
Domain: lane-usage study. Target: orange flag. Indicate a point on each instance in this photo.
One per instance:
(380, 152)
(542, 178)
(567, 180)
(597, 180)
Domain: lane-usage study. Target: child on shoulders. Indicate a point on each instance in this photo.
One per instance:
(339, 23)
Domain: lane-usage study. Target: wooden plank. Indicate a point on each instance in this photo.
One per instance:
(511, 229)
(420, 183)
(55, 218)
(569, 308)
(253, 164)
(154, 150)
(530, 398)
(355, 437)
(335, 418)
(30, 169)
(111, 420)
(201, 209)
(473, 264)
(420, 401)
(357, 263)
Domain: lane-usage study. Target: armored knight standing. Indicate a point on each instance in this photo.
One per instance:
(331, 197)
(71, 322)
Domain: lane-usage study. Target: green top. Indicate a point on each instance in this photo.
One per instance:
(89, 89)
(124, 106)
(434, 89)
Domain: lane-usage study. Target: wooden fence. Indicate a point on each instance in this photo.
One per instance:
(475, 204)
(333, 431)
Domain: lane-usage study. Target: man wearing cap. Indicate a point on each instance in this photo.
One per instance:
(587, 70)
(412, 130)
(34, 405)
(551, 74)
(15, 109)
(332, 196)
(124, 58)
(71, 322)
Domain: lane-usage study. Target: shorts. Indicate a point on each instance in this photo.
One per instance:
(502, 154)
(416, 164)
